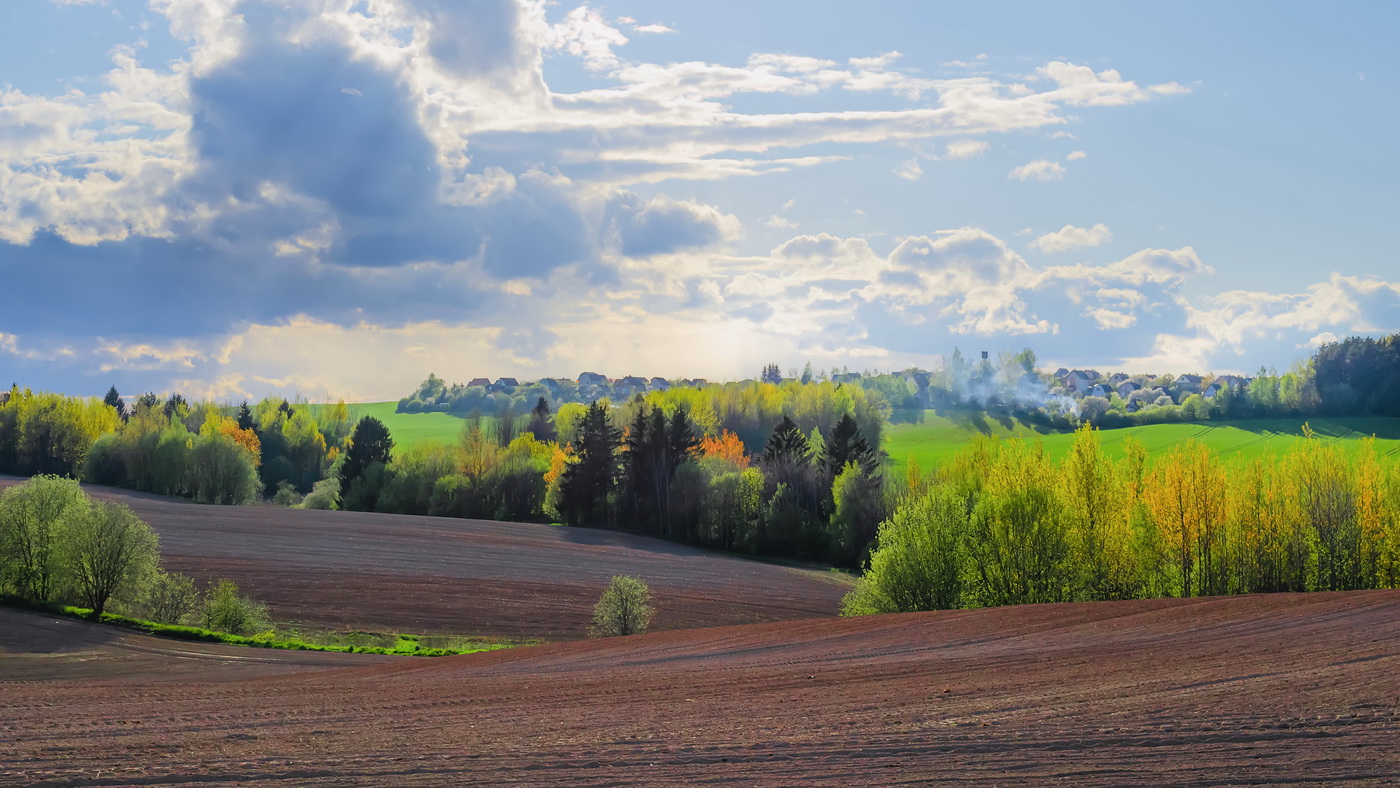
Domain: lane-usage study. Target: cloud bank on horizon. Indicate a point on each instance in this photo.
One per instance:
(337, 197)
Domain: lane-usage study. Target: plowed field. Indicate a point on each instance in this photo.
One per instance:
(473, 577)
(1276, 690)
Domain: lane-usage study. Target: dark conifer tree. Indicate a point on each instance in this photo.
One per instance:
(114, 400)
(174, 404)
(541, 424)
(245, 417)
(787, 447)
(771, 374)
(590, 480)
(371, 448)
(847, 445)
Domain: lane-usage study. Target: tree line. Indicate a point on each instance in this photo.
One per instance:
(759, 468)
(59, 546)
(1001, 524)
(206, 451)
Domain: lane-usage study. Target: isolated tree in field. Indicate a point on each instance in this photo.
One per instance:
(540, 423)
(108, 552)
(114, 400)
(370, 450)
(34, 520)
(623, 609)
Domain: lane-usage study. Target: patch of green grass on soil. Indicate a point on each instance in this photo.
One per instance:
(293, 640)
(943, 434)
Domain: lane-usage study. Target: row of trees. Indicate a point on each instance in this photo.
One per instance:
(58, 545)
(209, 452)
(1003, 525)
(649, 466)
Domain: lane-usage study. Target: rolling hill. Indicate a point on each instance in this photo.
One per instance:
(943, 433)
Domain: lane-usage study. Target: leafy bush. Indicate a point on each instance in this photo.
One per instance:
(170, 598)
(916, 564)
(623, 609)
(287, 495)
(225, 610)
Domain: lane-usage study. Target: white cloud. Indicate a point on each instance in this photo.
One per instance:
(585, 34)
(909, 170)
(780, 222)
(652, 28)
(1076, 155)
(1071, 237)
(1038, 170)
(966, 149)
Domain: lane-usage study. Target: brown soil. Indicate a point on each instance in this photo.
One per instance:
(1277, 690)
(472, 577)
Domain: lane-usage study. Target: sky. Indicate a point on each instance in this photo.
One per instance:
(334, 198)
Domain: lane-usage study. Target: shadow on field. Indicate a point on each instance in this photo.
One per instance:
(35, 632)
(598, 537)
(1341, 427)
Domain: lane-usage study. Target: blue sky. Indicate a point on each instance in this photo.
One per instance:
(334, 198)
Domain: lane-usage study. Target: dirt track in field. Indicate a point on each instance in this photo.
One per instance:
(427, 574)
(1281, 689)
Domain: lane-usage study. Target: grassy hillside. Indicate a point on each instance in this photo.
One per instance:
(943, 433)
(940, 436)
(411, 429)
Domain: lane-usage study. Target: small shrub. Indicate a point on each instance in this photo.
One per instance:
(286, 494)
(170, 597)
(227, 611)
(623, 609)
(325, 494)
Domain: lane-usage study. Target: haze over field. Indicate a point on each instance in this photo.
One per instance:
(231, 197)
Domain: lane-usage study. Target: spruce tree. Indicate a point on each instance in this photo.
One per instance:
(115, 400)
(590, 480)
(541, 425)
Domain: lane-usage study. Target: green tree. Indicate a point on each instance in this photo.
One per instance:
(114, 401)
(361, 474)
(588, 482)
(540, 424)
(917, 563)
(226, 610)
(623, 609)
(170, 597)
(107, 552)
(34, 520)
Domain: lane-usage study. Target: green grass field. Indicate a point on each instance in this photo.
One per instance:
(942, 435)
(411, 429)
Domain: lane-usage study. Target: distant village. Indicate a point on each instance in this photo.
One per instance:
(983, 386)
